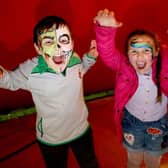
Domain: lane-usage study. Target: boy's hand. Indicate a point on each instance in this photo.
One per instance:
(1, 73)
(93, 49)
(107, 18)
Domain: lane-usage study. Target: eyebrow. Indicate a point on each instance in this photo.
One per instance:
(65, 35)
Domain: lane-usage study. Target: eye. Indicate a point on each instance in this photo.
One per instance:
(47, 42)
(148, 51)
(132, 52)
(64, 39)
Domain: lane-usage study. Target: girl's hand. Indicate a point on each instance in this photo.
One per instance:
(107, 18)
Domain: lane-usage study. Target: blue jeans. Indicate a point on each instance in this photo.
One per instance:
(139, 136)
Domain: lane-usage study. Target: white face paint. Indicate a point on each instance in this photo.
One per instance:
(57, 47)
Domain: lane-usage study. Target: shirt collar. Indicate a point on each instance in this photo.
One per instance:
(42, 66)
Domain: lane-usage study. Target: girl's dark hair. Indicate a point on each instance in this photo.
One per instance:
(46, 23)
(157, 46)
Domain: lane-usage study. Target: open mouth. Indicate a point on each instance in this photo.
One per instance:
(59, 59)
(141, 65)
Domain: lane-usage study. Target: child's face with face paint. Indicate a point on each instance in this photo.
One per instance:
(56, 47)
(141, 50)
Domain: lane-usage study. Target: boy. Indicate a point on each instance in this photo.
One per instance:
(54, 79)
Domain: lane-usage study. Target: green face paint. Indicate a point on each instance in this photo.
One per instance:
(56, 47)
(49, 42)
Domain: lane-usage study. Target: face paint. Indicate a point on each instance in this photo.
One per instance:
(140, 41)
(64, 41)
(142, 45)
(141, 50)
(49, 43)
(57, 47)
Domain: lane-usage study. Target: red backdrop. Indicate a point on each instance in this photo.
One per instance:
(19, 17)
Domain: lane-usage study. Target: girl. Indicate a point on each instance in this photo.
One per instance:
(141, 90)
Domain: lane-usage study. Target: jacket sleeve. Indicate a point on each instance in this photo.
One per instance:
(164, 69)
(17, 79)
(105, 39)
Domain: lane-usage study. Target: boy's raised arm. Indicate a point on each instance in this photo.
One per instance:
(93, 49)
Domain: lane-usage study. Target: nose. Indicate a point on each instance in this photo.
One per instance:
(140, 54)
(58, 49)
(58, 46)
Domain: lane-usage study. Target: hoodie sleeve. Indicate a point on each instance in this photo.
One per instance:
(17, 79)
(87, 62)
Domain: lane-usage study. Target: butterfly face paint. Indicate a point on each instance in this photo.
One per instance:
(141, 50)
(57, 47)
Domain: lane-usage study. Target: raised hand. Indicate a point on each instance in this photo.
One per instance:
(93, 49)
(1, 72)
(107, 18)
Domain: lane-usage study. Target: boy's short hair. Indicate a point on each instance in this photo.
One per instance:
(45, 24)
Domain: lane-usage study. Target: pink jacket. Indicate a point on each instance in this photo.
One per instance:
(126, 81)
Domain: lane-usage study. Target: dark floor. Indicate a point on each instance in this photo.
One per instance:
(18, 148)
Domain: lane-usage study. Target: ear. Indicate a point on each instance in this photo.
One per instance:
(38, 49)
